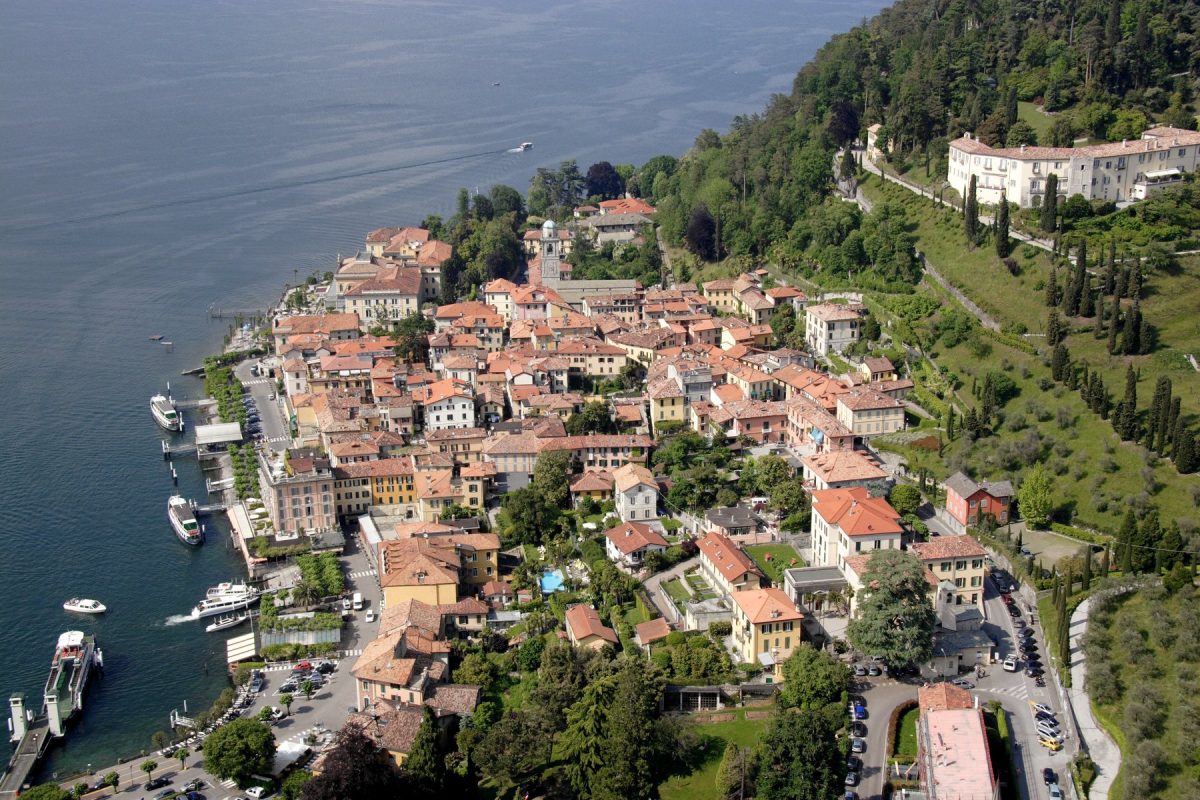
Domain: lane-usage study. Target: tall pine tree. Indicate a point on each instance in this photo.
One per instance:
(1049, 220)
(1002, 242)
(1126, 423)
(971, 213)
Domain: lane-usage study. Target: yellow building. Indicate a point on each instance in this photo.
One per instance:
(389, 480)
(667, 401)
(958, 560)
(869, 413)
(766, 627)
(419, 569)
(720, 296)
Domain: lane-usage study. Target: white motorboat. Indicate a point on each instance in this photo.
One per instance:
(228, 588)
(526, 146)
(183, 520)
(164, 412)
(83, 605)
(230, 621)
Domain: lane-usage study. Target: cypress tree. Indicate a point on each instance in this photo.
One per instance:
(1052, 288)
(1113, 325)
(1129, 333)
(1135, 280)
(1010, 107)
(1087, 300)
(1104, 563)
(1086, 579)
(1172, 420)
(1145, 335)
(971, 213)
(1049, 219)
(1148, 535)
(1054, 328)
(1125, 541)
(1186, 460)
(950, 423)
(1122, 283)
(971, 425)
(1160, 412)
(1101, 317)
(847, 170)
(1059, 362)
(1075, 287)
(1126, 418)
(1110, 274)
(1002, 241)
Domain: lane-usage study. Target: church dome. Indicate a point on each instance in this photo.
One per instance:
(549, 229)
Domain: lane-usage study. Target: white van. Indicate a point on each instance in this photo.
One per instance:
(358, 601)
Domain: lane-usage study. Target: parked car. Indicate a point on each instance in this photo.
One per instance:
(859, 670)
(850, 795)
(874, 670)
(257, 792)
(1055, 792)
(192, 786)
(1010, 664)
(1033, 670)
(1049, 776)
(195, 796)
(858, 711)
(852, 779)
(854, 763)
(326, 666)
(165, 793)
(1018, 623)
(858, 745)
(370, 615)
(1046, 729)
(1045, 709)
(290, 685)
(156, 783)
(1053, 745)
(963, 683)
(1013, 611)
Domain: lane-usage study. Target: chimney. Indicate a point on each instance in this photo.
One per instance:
(1124, 143)
(1022, 148)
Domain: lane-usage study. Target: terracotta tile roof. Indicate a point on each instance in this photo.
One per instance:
(467, 308)
(843, 465)
(766, 605)
(627, 205)
(630, 475)
(858, 565)
(942, 696)
(454, 698)
(379, 468)
(942, 547)
(454, 434)
(596, 440)
(445, 389)
(651, 631)
(410, 530)
(629, 537)
(416, 562)
(394, 729)
(433, 253)
(497, 589)
(726, 557)
(833, 312)
(583, 622)
(862, 398)
(466, 606)
(499, 286)
(391, 280)
(856, 512)
(783, 292)
(408, 613)
(316, 323)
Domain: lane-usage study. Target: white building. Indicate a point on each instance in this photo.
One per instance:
(636, 493)
(449, 403)
(831, 328)
(629, 543)
(849, 522)
(1118, 171)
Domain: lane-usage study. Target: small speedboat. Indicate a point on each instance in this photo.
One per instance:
(230, 621)
(83, 605)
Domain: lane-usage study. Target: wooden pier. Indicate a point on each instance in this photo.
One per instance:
(209, 508)
(25, 758)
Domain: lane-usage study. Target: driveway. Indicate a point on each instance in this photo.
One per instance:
(883, 695)
(656, 580)
(1101, 747)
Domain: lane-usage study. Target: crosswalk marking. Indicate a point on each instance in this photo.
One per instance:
(363, 573)
(349, 653)
(257, 381)
(229, 783)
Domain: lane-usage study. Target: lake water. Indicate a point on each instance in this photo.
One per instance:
(160, 156)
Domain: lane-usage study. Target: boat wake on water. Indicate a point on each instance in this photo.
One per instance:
(179, 619)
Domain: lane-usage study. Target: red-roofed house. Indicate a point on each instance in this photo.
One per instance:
(647, 633)
(848, 522)
(726, 566)
(585, 629)
(629, 543)
(767, 626)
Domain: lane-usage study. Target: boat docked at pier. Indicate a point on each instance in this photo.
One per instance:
(162, 408)
(183, 520)
(223, 623)
(75, 656)
(224, 599)
(83, 605)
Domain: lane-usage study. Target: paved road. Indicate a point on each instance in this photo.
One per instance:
(882, 694)
(654, 581)
(275, 427)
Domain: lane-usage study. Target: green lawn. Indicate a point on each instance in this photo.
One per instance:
(906, 742)
(675, 589)
(781, 557)
(1037, 120)
(700, 783)
(633, 615)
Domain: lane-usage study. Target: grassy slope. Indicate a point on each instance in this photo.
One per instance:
(1037, 120)
(980, 276)
(701, 782)
(1136, 612)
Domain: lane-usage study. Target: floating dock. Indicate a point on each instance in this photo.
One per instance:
(34, 741)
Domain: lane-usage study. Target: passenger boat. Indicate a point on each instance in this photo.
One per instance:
(230, 621)
(164, 412)
(228, 588)
(83, 605)
(526, 146)
(213, 606)
(183, 520)
(74, 657)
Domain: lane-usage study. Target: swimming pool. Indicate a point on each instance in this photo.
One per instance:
(552, 581)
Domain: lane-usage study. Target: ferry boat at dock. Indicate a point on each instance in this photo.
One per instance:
(183, 520)
(75, 656)
(164, 412)
(224, 599)
(223, 623)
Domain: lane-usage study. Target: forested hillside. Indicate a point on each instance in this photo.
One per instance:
(927, 70)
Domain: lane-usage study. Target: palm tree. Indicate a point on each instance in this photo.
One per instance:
(305, 593)
(182, 754)
(287, 700)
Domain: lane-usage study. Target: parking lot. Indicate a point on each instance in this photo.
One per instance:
(273, 427)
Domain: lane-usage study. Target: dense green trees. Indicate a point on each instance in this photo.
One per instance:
(1035, 498)
(801, 757)
(895, 619)
(239, 749)
(355, 767)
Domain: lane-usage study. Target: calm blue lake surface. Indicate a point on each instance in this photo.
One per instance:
(119, 118)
